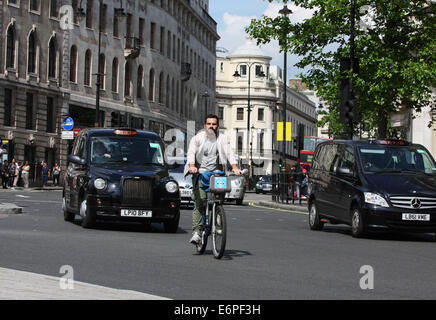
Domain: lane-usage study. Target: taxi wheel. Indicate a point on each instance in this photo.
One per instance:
(240, 202)
(357, 223)
(68, 216)
(88, 217)
(314, 220)
(173, 225)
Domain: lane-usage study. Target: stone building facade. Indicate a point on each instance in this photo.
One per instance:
(156, 66)
(260, 147)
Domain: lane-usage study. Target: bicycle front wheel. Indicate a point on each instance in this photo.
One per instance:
(219, 231)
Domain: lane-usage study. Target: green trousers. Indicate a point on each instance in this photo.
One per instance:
(199, 197)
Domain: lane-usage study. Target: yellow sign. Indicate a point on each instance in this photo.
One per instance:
(280, 131)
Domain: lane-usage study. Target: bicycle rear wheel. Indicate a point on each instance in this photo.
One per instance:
(219, 232)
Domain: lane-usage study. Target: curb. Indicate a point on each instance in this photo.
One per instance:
(10, 208)
(286, 207)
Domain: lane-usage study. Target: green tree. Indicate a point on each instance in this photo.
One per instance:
(397, 55)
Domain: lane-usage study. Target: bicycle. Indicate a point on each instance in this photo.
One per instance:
(214, 216)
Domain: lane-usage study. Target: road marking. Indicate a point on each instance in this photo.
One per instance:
(21, 196)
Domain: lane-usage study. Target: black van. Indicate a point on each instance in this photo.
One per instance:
(374, 184)
(120, 174)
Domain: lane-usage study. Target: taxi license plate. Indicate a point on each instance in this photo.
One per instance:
(416, 217)
(136, 213)
(186, 193)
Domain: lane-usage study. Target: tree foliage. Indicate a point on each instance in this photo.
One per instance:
(397, 55)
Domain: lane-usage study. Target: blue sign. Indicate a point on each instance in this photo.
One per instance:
(68, 123)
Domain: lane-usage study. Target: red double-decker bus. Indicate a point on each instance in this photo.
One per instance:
(306, 154)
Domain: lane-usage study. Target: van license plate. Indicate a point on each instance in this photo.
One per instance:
(416, 217)
(136, 213)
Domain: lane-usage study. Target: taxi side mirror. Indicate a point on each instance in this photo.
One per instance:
(76, 160)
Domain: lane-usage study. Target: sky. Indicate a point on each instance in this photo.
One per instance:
(232, 16)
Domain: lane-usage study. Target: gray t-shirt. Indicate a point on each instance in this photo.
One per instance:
(210, 157)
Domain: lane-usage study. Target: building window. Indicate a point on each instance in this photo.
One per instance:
(129, 26)
(31, 59)
(261, 114)
(152, 35)
(30, 117)
(7, 120)
(243, 70)
(161, 86)
(151, 86)
(162, 40)
(140, 86)
(103, 17)
(221, 113)
(34, 5)
(88, 62)
(53, 9)
(89, 13)
(240, 114)
(52, 58)
(240, 144)
(127, 80)
(73, 64)
(115, 75)
(116, 26)
(50, 115)
(141, 31)
(10, 48)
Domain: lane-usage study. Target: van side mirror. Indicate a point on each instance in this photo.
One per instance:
(76, 160)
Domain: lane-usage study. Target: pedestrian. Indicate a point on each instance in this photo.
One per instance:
(5, 174)
(13, 173)
(45, 174)
(25, 174)
(20, 178)
(56, 174)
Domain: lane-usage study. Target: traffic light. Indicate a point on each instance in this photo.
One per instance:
(350, 110)
(280, 163)
(115, 119)
(295, 143)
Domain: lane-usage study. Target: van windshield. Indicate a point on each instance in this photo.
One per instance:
(176, 165)
(392, 159)
(129, 150)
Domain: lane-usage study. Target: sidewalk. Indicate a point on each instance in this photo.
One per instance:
(293, 208)
(20, 285)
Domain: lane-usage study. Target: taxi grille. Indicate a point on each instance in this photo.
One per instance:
(409, 202)
(138, 192)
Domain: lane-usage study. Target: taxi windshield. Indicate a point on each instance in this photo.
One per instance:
(393, 159)
(126, 150)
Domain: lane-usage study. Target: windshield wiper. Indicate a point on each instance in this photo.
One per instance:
(397, 171)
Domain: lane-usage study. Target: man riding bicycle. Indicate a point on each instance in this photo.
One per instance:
(208, 151)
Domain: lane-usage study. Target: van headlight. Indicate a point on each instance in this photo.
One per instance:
(171, 187)
(373, 198)
(99, 183)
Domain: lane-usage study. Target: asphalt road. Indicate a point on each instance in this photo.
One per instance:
(271, 254)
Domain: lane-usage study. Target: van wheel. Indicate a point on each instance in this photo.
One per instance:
(88, 217)
(358, 228)
(314, 220)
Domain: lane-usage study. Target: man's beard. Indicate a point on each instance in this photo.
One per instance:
(212, 133)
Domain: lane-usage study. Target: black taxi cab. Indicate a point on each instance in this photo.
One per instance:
(120, 174)
(373, 185)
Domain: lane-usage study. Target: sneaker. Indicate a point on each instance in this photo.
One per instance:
(196, 238)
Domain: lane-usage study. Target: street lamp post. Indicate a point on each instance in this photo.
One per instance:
(285, 12)
(119, 12)
(237, 75)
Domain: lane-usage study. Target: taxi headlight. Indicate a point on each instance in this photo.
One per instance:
(171, 187)
(373, 198)
(99, 183)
